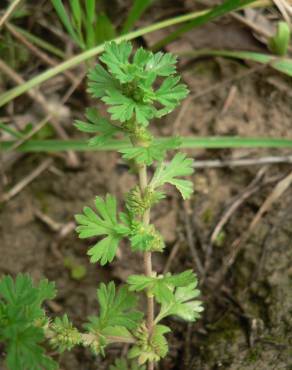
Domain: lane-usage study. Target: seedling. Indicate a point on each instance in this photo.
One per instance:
(135, 91)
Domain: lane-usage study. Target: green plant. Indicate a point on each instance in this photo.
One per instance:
(88, 28)
(126, 86)
(127, 89)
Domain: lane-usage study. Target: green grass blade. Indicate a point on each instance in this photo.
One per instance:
(90, 10)
(283, 65)
(187, 143)
(77, 19)
(61, 11)
(218, 11)
(135, 13)
(89, 22)
(10, 131)
(76, 12)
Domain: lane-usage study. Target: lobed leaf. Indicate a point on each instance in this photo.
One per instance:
(183, 304)
(97, 124)
(103, 223)
(20, 310)
(155, 151)
(116, 57)
(168, 173)
(100, 81)
(161, 286)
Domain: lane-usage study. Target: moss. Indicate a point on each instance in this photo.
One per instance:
(222, 341)
(253, 355)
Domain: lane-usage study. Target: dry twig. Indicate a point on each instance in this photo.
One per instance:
(191, 242)
(26, 180)
(218, 163)
(9, 12)
(237, 245)
(35, 50)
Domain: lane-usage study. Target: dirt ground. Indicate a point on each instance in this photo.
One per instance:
(247, 322)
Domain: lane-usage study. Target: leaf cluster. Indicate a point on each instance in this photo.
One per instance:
(117, 317)
(127, 86)
(22, 319)
(175, 293)
(150, 348)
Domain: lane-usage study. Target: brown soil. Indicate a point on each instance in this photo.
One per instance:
(247, 320)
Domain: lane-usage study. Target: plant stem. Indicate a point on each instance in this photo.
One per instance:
(147, 259)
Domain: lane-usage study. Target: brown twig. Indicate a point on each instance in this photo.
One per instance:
(9, 12)
(283, 9)
(229, 99)
(35, 50)
(41, 100)
(191, 242)
(250, 190)
(65, 230)
(237, 245)
(172, 255)
(218, 163)
(26, 180)
(44, 121)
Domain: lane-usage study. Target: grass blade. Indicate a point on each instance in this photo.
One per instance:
(187, 143)
(218, 11)
(90, 18)
(283, 65)
(90, 11)
(77, 20)
(61, 11)
(135, 13)
(77, 13)
(10, 131)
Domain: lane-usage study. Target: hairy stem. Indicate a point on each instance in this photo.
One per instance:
(147, 259)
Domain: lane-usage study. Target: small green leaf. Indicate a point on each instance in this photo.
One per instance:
(122, 108)
(168, 173)
(117, 309)
(162, 64)
(170, 93)
(182, 304)
(155, 151)
(103, 223)
(100, 81)
(116, 57)
(97, 124)
(161, 286)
